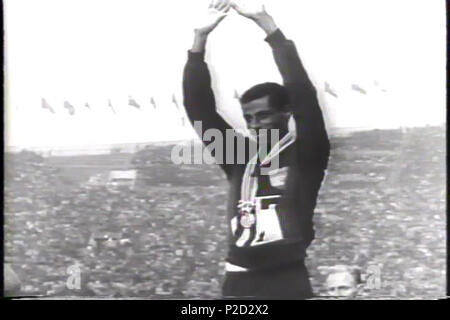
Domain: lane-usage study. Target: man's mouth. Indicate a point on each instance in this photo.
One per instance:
(258, 130)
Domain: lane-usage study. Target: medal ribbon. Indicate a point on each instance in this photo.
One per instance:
(249, 185)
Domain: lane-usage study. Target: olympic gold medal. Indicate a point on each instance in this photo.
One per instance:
(248, 220)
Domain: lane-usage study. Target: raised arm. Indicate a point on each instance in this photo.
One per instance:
(199, 99)
(310, 126)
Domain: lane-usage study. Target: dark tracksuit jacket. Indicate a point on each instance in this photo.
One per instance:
(302, 164)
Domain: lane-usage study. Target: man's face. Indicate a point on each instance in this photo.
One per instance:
(260, 115)
(342, 284)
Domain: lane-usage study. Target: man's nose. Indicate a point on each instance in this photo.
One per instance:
(253, 123)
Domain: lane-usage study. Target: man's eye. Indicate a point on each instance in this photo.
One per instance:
(264, 114)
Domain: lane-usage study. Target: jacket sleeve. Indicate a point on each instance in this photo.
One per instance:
(313, 144)
(200, 104)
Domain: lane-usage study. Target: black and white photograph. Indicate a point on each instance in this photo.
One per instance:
(224, 150)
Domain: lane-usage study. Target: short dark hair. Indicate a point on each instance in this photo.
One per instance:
(278, 96)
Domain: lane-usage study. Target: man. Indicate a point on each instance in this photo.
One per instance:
(343, 282)
(269, 211)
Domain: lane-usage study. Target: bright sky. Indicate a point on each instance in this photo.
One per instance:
(95, 50)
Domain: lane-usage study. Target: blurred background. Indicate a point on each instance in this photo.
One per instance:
(376, 64)
(93, 107)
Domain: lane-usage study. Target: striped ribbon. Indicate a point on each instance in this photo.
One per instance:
(249, 185)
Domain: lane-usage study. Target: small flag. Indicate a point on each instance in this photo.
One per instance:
(69, 107)
(236, 95)
(133, 102)
(152, 101)
(45, 105)
(358, 89)
(111, 106)
(330, 91)
(174, 100)
(377, 84)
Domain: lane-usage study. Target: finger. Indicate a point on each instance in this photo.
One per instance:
(236, 3)
(215, 3)
(222, 4)
(235, 6)
(227, 8)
